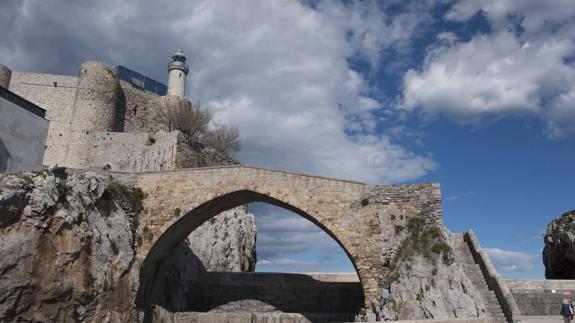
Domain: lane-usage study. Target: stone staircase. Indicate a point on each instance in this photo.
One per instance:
(472, 270)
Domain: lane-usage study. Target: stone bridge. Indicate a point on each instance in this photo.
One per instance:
(359, 217)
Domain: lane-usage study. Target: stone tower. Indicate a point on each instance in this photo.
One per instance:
(96, 108)
(177, 72)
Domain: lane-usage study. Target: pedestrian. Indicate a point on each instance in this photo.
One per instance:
(567, 311)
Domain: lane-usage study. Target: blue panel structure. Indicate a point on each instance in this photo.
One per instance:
(127, 75)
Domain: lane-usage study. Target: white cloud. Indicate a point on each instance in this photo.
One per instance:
(276, 69)
(532, 15)
(495, 76)
(511, 261)
(282, 232)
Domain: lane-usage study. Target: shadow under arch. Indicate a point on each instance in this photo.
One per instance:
(163, 247)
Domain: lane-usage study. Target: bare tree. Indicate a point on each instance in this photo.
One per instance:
(187, 118)
(194, 123)
(224, 139)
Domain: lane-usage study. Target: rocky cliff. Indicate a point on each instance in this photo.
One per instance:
(426, 282)
(67, 247)
(559, 250)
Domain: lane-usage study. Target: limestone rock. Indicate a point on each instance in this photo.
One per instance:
(432, 285)
(67, 248)
(559, 250)
(226, 242)
(64, 257)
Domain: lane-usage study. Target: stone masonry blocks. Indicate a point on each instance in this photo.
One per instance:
(96, 108)
(334, 205)
(5, 76)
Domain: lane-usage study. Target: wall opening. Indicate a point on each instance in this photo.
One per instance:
(175, 279)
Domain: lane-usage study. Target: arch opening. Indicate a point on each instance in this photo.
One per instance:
(158, 258)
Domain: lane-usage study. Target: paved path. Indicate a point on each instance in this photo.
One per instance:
(540, 319)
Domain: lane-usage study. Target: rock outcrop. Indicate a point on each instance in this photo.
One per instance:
(426, 282)
(67, 247)
(559, 250)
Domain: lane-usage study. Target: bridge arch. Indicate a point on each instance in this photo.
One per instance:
(361, 218)
(186, 224)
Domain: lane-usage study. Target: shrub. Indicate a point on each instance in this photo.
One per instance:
(177, 212)
(398, 228)
(365, 202)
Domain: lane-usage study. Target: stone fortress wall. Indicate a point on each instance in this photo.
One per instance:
(55, 94)
(97, 120)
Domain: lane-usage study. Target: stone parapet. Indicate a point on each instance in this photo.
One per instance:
(494, 280)
(540, 297)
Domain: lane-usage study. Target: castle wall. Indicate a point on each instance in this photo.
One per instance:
(5, 76)
(141, 110)
(55, 94)
(134, 152)
(22, 136)
(98, 106)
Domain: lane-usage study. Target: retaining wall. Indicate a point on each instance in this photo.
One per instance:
(276, 292)
(540, 297)
(134, 152)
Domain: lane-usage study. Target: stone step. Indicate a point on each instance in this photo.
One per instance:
(473, 271)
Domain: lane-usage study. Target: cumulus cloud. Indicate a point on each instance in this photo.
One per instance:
(276, 69)
(532, 15)
(524, 68)
(511, 261)
(283, 233)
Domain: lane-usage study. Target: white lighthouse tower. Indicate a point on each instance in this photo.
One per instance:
(177, 72)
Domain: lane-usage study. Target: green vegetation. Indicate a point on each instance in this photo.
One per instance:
(365, 202)
(421, 240)
(127, 197)
(568, 214)
(398, 228)
(177, 212)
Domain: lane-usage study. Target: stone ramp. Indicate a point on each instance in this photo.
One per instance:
(472, 270)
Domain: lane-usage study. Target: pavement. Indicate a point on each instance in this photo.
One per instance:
(540, 319)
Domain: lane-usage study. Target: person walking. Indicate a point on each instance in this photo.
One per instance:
(567, 311)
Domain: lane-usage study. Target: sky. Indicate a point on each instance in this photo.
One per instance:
(477, 95)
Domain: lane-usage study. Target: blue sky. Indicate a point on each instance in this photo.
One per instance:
(478, 95)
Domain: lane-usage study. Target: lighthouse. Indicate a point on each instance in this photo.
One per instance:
(177, 72)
